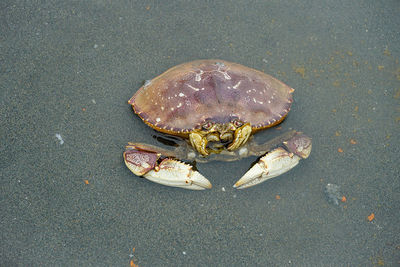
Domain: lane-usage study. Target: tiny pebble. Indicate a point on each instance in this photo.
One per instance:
(60, 138)
(332, 193)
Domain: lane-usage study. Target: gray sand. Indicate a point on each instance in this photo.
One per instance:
(67, 71)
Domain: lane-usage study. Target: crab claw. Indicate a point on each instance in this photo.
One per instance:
(178, 174)
(167, 171)
(277, 161)
(274, 163)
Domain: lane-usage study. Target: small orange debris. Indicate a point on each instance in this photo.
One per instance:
(132, 262)
(336, 83)
(371, 217)
(86, 181)
(300, 70)
(277, 197)
(147, 7)
(353, 142)
(338, 133)
(386, 52)
(344, 199)
(83, 109)
(380, 67)
(397, 94)
(340, 150)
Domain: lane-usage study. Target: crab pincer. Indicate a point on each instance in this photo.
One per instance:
(277, 161)
(163, 170)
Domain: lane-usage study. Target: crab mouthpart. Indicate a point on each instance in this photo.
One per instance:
(199, 143)
(226, 136)
(221, 135)
(241, 136)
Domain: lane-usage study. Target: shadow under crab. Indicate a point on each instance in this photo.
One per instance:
(217, 106)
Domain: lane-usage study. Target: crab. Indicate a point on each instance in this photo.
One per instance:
(215, 107)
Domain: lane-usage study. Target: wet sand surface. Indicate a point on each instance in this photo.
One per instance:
(68, 70)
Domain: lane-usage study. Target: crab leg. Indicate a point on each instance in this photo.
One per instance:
(168, 171)
(277, 161)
